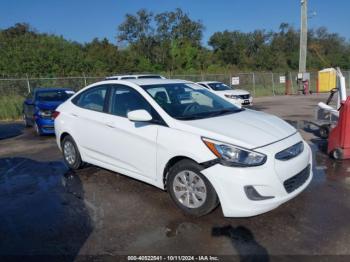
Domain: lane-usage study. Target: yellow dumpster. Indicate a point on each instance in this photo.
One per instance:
(327, 80)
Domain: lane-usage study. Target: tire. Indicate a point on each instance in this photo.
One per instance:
(71, 154)
(26, 123)
(37, 129)
(194, 200)
(337, 154)
(324, 131)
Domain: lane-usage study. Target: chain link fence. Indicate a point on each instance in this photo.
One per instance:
(259, 84)
(262, 83)
(14, 90)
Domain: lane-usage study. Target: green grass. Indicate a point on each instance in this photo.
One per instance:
(11, 107)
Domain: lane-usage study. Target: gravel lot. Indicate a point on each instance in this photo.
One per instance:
(47, 210)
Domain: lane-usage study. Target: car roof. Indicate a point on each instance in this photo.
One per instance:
(39, 89)
(208, 82)
(133, 75)
(149, 81)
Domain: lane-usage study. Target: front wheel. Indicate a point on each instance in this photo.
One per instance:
(71, 155)
(190, 190)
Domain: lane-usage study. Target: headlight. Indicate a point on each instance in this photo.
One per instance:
(231, 155)
(232, 96)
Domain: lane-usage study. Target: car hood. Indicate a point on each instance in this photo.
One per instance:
(236, 92)
(46, 105)
(248, 128)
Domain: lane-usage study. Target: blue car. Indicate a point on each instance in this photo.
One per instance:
(39, 106)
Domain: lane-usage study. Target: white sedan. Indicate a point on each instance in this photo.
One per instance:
(235, 96)
(180, 137)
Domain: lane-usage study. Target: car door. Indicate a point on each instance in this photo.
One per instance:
(131, 145)
(88, 120)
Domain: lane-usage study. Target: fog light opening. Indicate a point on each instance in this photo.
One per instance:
(254, 195)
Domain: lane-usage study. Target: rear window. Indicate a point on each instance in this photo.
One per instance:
(53, 95)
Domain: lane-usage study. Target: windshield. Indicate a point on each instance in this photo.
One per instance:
(54, 95)
(219, 86)
(189, 101)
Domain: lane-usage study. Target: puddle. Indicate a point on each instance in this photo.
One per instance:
(47, 211)
(8, 130)
(324, 166)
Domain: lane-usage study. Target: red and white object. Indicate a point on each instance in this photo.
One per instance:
(339, 137)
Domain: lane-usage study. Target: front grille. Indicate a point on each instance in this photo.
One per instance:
(290, 152)
(244, 96)
(296, 181)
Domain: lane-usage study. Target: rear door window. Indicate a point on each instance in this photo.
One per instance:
(93, 98)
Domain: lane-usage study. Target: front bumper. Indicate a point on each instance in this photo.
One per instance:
(246, 102)
(267, 180)
(241, 102)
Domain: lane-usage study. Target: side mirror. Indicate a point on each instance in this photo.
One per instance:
(140, 115)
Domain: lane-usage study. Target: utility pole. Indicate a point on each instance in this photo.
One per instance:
(303, 37)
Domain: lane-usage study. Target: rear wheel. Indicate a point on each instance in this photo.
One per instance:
(37, 129)
(190, 190)
(337, 154)
(26, 123)
(71, 154)
(324, 131)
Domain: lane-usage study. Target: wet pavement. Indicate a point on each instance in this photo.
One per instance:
(10, 129)
(47, 210)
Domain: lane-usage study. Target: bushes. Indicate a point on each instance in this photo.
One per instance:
(11, 107)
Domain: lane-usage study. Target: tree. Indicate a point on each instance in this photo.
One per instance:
(230, 47)
(177, 25)
(168, 41)
(152, 36)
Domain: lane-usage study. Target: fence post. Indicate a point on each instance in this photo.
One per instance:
(291, 80)
(28, 84)
(85, 82)
(273, 84)
(254, 84)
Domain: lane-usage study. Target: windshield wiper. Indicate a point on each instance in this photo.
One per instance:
(193, 117)
(209, 114)
(224, 111)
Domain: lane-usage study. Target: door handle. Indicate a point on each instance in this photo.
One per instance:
(75, 115)
(110, 125)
